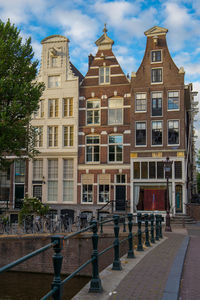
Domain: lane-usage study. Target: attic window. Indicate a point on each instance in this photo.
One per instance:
(156, 56)
(104, 75)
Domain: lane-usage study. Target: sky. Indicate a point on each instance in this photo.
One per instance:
(82, 22)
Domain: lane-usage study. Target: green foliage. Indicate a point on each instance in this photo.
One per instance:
(198, 183)
(19, 93)
(32, 206)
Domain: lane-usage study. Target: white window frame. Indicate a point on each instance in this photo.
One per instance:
(156, 82)
(37, 169)
(68, 102)
(174, 109)
(156, 62)
(137, 99)
(52, 179)
(104, 193)
(136, 131)
(93, 110)
(54, 103)
(82, 194)
(68, 177)
(156, 121)
(54, 136)
(70, 136)
(104, 76)
(173, 120)
(115, 147)
(156, 92)
(119, 107)
(53, 83)
(38, 137)
(92, 145)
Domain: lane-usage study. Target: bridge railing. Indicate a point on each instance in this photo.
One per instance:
(147, 236)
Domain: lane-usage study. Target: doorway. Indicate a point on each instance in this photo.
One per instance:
(120, 197)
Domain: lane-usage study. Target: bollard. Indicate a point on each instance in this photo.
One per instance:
(57, 264)
(101, 218)
(152, 228)
(160, 227)
(139, 234)
(146, 217)
(95, 283)
(157, 228)
(130, 237)
(124, 224)
(116, 262)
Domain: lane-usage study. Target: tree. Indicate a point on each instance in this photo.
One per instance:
(19, 93)
(32, 206)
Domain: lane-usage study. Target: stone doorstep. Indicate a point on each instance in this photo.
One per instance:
(110, 279)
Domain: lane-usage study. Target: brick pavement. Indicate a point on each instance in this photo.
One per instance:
(148, 278)
(190, 283)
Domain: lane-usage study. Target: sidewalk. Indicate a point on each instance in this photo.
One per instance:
(144, 277)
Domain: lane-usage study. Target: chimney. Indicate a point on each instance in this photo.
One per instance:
(90, 60)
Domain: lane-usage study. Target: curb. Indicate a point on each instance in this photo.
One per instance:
(171, 291)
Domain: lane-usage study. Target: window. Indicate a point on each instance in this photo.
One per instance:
(52, 180)
(54, 61)
(68, 132)
(136, 170)
(68, 180)
(173, 132)
(115, 148)
(104, 75)
(68, 107)
(103, 193)
(140, 134)
(53, 108)
(40, 112)
(173, 100)
(144, 170)
(156, 56)
(152, 170)
(120, 178)
(54, 81)
(156, 75)
(160, 170)
(20, 171)
(178, 169)
(52, 136)
(37, 169)
(87, 193)
(156, 133)
(156, 107)
(115, 111)
(93, 112)
(92, 149)
(38, 138)
(141, 102)
(5, 185)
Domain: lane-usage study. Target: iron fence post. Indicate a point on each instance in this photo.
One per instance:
(95, 283)
(101, 220)
(116, 262)
(139, 233)
(160, 226)
(146, 217)
(130, 237)
(152, 228)
(57, 264)
(124, 224)
(157, 228)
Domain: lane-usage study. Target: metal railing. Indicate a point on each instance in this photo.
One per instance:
(57, 242)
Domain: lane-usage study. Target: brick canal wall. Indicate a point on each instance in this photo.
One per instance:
(76, 251)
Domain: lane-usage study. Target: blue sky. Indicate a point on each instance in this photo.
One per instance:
(82, 22)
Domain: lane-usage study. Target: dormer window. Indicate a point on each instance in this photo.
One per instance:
(104, 75)
(156, 56)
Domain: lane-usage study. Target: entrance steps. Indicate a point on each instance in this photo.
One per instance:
(182, 219)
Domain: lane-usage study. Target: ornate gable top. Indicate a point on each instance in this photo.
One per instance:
(104, 42)
(55, 38)
(156, 30)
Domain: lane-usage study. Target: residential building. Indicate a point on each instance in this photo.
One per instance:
(104, 133)
(53, 172)
(161, 127)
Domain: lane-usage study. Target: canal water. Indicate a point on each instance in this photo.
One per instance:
(33, 286)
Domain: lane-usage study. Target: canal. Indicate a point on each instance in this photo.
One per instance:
(33, 286)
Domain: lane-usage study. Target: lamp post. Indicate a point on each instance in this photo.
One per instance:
(167, 168)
